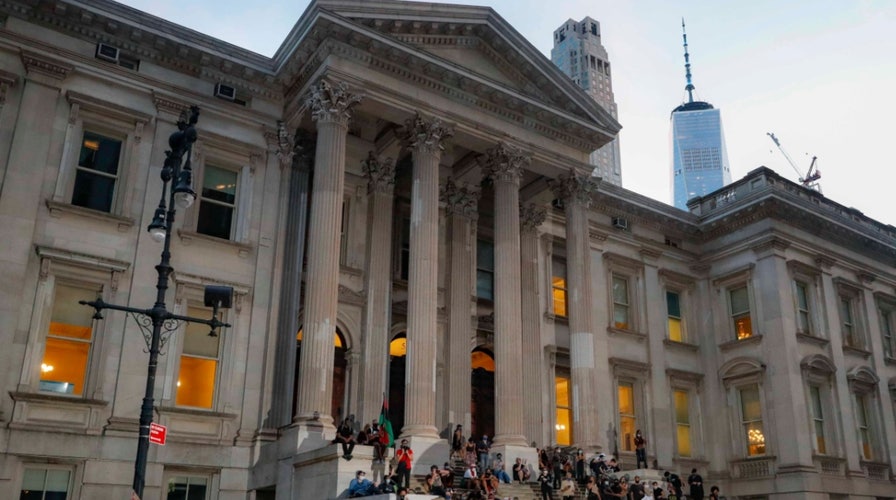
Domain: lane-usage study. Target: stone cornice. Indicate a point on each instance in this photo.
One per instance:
(48, 66)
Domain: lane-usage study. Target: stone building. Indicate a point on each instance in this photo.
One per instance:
(402, 202)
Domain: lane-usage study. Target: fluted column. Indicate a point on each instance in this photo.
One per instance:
(504, 166)
(424, 138)
(531, 217)
(575, 192)
(331, 108)
(377, 283)
(296, 156)
(461, 205)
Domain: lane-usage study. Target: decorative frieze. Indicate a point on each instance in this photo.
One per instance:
(531, 216)
(380, 174)
(573, 188)
(505, 162)
(36, 63)
(426, 134)
(332, 103)
(460, 199)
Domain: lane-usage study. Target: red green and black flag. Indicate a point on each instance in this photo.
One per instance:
(386, 425)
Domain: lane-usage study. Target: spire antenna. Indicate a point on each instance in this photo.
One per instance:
(687, 64)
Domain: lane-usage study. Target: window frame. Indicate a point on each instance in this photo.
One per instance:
(851, 295)
(79, 270)
(886, 312)
(681, 285)
(225, 153)
(746, 422)
(632, 272)
(74, 478)
(737, 374)
(200, 199)
(559, 288)
(627, 372)
(734, 280)
(90, 114)
(818, 372)
(863, 394)
(564, 375)
(479, 268)
(212, 478)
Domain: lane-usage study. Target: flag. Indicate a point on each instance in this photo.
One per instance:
(386, 424)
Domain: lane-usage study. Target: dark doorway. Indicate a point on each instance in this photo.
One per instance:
(340, 365)
(482, 380)
(398, 349)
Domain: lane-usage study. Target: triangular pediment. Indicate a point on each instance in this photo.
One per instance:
(478, 44)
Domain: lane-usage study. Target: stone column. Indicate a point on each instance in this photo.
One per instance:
(531, 217)
(377, 283)
(296, 156)
(331, 108)
(461, 205)
(424, 138)
(575, 192)
(504, 165)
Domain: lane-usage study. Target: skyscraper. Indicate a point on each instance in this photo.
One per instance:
(699, 157)
(578, 53)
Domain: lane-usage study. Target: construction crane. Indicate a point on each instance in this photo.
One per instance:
(810, 180)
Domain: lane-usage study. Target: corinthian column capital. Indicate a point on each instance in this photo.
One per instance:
(505, 162)
(380, 174)
(426, 134)
(572, 188)
(332, 103)
(531, 216)
(460, 199)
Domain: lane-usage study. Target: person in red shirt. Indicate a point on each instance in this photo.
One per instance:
(405, 457)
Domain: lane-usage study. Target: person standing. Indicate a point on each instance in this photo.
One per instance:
(547, 486)
(568, 487)
(695, 482)
(640, 449)
(580, 466)
(405, 457)
(636, 490)
(482, 449)
(457, 443)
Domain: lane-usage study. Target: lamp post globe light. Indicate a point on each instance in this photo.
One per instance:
(157, 323)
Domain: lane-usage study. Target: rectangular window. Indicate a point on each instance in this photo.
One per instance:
(45, 484)
(864, 427)
(563, 427)
(803, 324)
(751, 420)
(217, 202)
(739, 303)
(67, 352)
(621, 303)
(847, 322)
(404, 245)
(97, 172)
(673, 315)
(627, 420)
(558, 287)
(187, 488)
(485, 270)
(817, 419)
(683, 422)
(198, 363)
(886, 330)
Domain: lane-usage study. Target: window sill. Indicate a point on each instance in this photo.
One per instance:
(188, 410)
(44, 412)
(640, 337)
(45, 397)
(808, 338)
(686, 346)
(753, 339)
(198, 425)
(856, 351)
(548, 315)
(188, 237)
(57, 210)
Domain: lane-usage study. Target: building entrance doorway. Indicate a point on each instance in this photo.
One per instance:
(398, 350)
(340, 365)
(482, 406)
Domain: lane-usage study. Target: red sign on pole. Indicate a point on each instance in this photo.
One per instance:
(157, 433)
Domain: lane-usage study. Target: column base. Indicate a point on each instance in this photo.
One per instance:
(304, 436)
(514, 440)
(428, 451)
(509, 453)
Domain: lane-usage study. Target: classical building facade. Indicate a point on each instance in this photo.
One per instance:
(402, 201)
(579, 52)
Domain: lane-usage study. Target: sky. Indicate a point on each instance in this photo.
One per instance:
(819, 74)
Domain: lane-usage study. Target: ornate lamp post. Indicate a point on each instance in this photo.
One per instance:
(157, 323)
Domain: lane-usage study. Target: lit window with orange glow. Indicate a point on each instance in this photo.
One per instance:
(67, 352)
(563, 416)
(751, 419)
(739, 303)
(198, 373)
(558, 287)
(673, 312)
(627, 420)
(482, 359)
(337, 340)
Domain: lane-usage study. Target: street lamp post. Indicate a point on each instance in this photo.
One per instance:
(157, 323)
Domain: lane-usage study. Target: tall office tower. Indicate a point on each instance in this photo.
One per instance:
(699, 157)
(578, 53)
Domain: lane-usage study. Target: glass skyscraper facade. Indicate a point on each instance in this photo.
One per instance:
(699, 157)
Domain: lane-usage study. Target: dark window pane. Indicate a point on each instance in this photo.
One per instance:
(214, 220)
(673, 304)
(196, 492)
(93, 191)
(219, 184)
(485, 285)
(100, 153)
